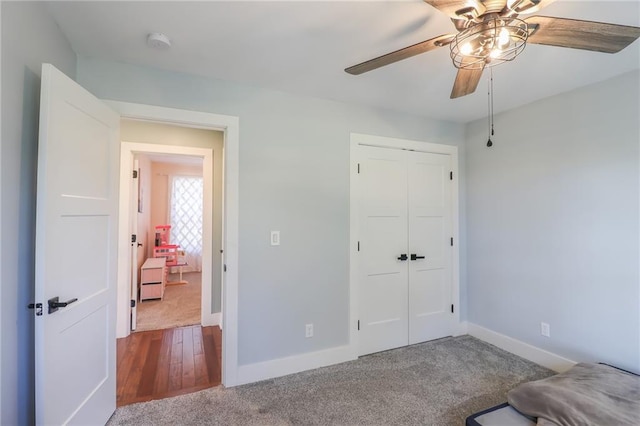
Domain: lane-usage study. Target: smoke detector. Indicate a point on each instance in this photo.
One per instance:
(158, 41)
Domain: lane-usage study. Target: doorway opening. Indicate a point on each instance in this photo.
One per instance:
(169, 230)
(230, 127)
(173, 291)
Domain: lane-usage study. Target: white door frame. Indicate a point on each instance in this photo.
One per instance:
(230, 125)
(134, 189)
(357, 140)
(127, 152)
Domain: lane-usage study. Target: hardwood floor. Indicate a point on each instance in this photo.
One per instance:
(162, 363)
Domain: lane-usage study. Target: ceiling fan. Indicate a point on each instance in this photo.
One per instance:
(490, 32)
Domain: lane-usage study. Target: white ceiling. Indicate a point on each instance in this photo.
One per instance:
(302, 47)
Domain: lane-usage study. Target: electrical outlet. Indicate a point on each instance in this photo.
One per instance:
(545, 330)
(275, 238)
(308, 330)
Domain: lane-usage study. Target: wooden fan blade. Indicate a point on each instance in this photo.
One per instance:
(576, 34)
(466, 82)
(458, 8)
(522, 7)
(398, 55)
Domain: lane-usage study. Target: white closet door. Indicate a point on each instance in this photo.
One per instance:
(430, 231)
(383, 228)
(405, 207)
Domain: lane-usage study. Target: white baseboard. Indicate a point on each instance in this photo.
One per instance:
(539, 356)
(461, 329)
(293, 364)
(211, 319)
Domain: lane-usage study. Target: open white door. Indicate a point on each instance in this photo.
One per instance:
(76, 254)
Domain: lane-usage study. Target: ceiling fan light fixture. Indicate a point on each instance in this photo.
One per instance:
(504, 37)
(495, 53)
(489, 43)
(490, 33)
(466, 49)
(524, 6)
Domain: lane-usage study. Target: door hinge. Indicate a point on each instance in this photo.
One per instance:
(134, 238)
(451, 241)
(450, 175)
(358, 325)
(135, 174)
(224, 267)
(358, 168)
(451, 308)
(37, 307)
(133, 303)
(358, 245)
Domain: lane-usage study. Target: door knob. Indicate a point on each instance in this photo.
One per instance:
(403, 257)
(54, 303)
(416, 257)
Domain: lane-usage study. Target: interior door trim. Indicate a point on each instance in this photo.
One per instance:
(230, 125)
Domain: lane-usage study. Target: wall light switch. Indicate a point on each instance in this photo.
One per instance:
(545, 329)
(275, 238)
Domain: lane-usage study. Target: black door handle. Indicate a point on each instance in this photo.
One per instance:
(54, 303)
(416, 257)
(139, 244)
(403, 257)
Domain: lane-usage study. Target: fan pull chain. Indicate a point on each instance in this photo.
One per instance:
(490, 108)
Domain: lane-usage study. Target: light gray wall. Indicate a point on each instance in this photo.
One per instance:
(29, 37)
(553, 223)
(294, 162)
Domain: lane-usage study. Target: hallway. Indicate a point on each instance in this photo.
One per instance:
(162, 363)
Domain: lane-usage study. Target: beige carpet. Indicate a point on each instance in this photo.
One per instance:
(179, 307)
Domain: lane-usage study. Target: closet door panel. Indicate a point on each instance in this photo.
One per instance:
(383, 229)
(430, 230)
(428, 183)
(383, 245)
